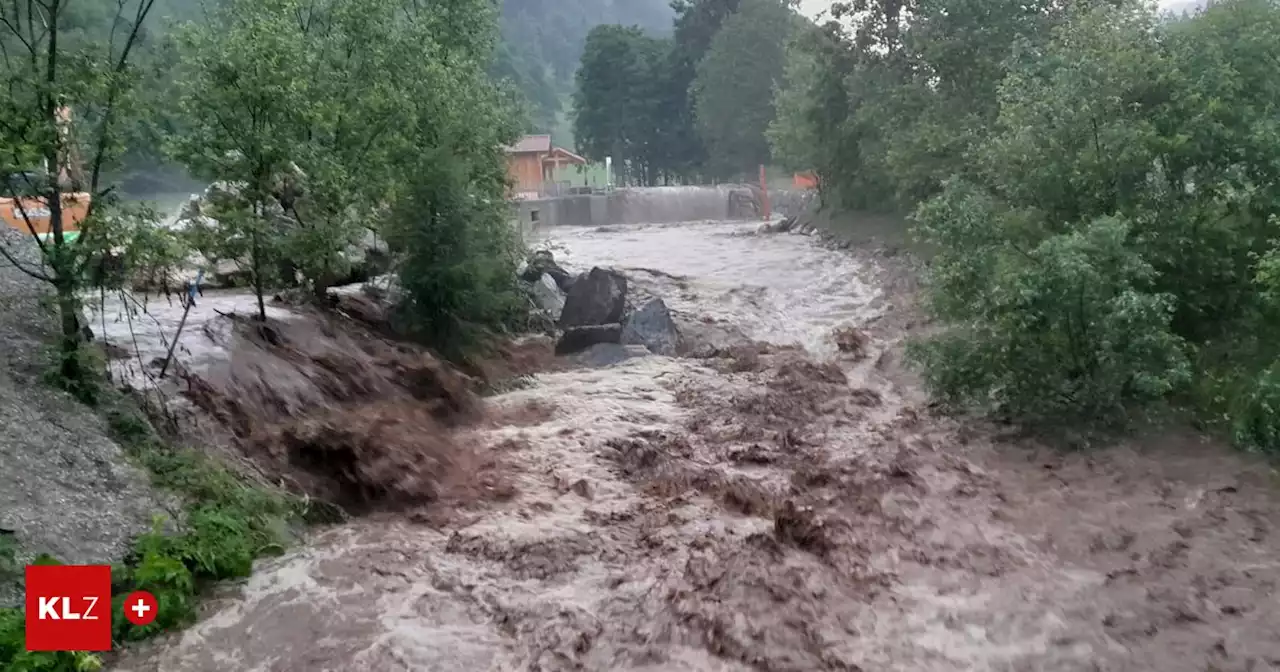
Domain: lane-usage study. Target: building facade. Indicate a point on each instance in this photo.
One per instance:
(533, 164)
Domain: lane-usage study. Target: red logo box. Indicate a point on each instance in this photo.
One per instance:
(68, 608)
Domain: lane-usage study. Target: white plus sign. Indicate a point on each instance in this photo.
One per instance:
(140, 608)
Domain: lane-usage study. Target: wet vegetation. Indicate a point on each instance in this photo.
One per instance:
(689, 108)
(1097, 178)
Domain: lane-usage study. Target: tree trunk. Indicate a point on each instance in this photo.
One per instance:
(258, 288)
(71, 368)
(255, 252)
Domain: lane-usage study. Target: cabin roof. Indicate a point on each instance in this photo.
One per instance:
(566, 154)
(531, 143)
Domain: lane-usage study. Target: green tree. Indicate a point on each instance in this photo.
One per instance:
(454, 248)
(321, 118)
(244, 98)
(939, 64)
(50, 61)
(307, 146)
(618, 109)
(696, 24)
(734, 87)
(542, 42)
(1145, 124)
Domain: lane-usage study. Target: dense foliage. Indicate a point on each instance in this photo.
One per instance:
(733, 90)
(618, 101)
(1100, 181)
(314, 151)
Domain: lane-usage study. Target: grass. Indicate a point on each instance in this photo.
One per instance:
(226, 524)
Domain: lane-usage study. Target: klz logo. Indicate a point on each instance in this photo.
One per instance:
(68, 608)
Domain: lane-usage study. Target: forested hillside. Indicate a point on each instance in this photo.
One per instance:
(542, 41)
(692, 107)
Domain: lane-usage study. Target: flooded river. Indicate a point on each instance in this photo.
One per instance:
(777, 509)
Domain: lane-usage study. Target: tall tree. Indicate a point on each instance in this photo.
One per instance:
(696, 24)
(448, 227)
(69, 91)
(734, 87)
(247, 100)
(543, 40)
(618, 102)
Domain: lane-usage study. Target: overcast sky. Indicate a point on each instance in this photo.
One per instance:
(812, 8)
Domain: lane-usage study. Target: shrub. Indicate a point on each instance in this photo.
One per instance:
(1064, 328)
(457, 255)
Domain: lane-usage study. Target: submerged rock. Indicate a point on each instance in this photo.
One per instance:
(602, 355)
(577, 339)
(599, 297)
(652, 327)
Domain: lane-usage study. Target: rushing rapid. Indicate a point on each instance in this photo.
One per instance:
(782, 503)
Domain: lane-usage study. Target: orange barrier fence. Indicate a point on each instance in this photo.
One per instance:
(74, 209)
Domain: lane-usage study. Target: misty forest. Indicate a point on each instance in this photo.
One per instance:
(1087, 192)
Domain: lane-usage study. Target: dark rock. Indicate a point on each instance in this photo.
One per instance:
(577, 339)
(599, 297)
(543, 262)
(652, 327)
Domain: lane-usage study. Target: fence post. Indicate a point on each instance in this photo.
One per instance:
(192, 290)
(764, 189)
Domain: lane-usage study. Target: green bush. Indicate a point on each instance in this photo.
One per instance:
(1114, 194)
(1065, 328)
(457, 255)
(1256, 415)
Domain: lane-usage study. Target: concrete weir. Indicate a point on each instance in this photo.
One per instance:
(649, 205)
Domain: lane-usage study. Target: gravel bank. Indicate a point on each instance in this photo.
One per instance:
(65, 487)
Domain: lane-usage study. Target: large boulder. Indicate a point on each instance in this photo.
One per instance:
(652, 327)
(542, 262)
(547, 295)
(598, 297)
(577, 339)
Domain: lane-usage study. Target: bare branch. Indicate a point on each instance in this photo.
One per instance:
(22, 209)
(144, 9)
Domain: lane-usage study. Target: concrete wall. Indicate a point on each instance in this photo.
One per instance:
(657, 205)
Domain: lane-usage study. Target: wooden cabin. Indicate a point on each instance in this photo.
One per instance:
(532, 164)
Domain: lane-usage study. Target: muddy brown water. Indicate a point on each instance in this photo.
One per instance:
(781, 509)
